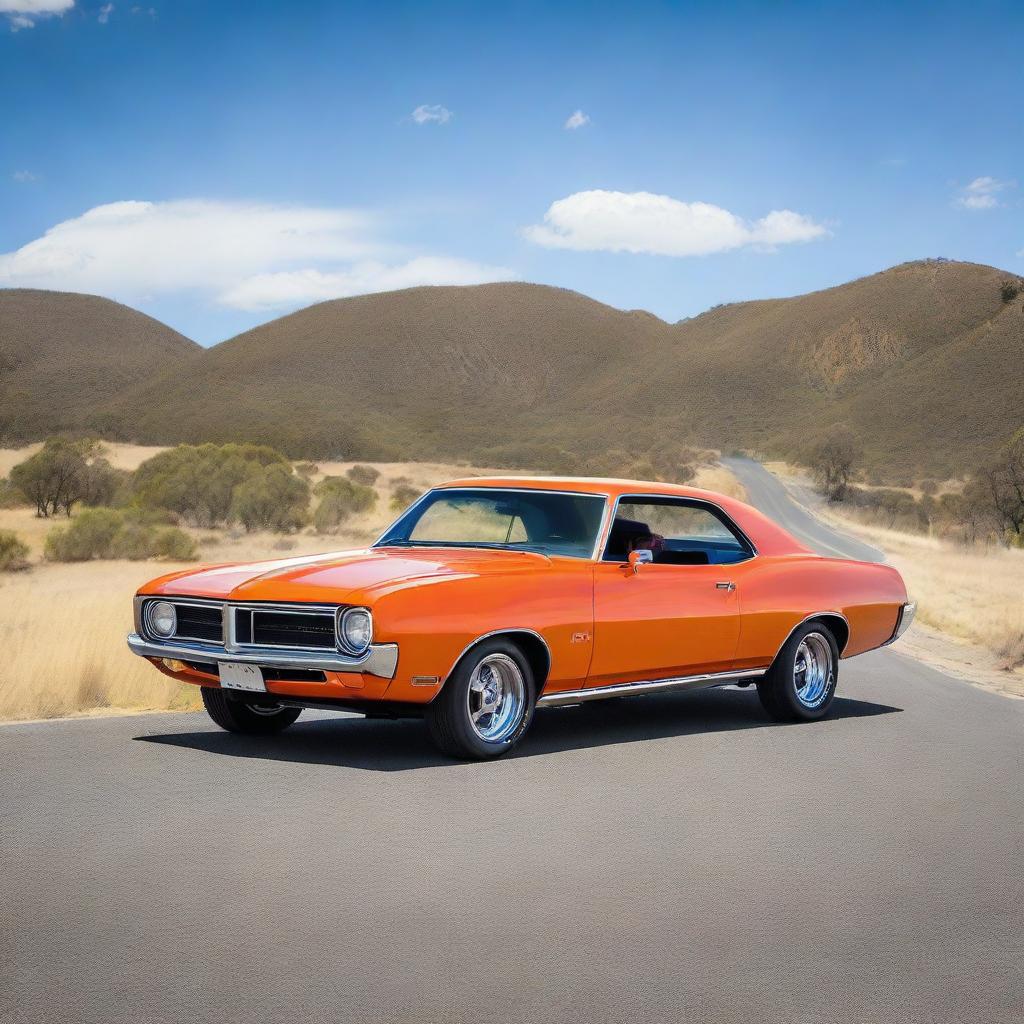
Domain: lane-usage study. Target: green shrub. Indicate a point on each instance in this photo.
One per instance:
(199, 482)
(365, 476)
(13, 552)
(112, 533)
(307, 470)
(89, 535)
(340, 498)
(403, 496)
(274, 498)
(173, 544)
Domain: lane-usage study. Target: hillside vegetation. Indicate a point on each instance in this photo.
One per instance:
(922, 363)
(63, 356)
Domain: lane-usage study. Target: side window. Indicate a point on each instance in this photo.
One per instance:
(676, 532)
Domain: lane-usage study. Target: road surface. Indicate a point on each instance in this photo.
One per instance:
(666, 858)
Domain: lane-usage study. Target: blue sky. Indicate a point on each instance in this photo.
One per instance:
(217, 164)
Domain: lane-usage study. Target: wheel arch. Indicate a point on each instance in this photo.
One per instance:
(837, 623)
(534, 647)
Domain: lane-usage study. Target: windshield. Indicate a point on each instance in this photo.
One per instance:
(548, 522)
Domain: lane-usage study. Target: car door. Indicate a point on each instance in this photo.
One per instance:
(678, 614)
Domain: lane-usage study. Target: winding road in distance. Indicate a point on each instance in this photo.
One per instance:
(665, 858)
(766, 492)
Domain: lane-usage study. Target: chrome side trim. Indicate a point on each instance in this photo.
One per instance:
(498, 632)
(817, 615)
(381, 659)
(698, 682)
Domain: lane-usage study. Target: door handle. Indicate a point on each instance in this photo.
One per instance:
(726, 586)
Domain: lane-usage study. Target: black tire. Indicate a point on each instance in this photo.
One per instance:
(450, 714)
(780, 690)
(238, 716)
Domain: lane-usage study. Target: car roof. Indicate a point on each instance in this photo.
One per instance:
(610, 486)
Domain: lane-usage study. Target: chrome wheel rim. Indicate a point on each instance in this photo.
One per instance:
(268, 710)
(496, 698)
(812, 670)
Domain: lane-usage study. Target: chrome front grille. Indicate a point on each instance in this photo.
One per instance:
(286, 627)
(203, 622)
(236, 627)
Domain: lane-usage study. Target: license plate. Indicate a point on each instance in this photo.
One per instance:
(234, 676)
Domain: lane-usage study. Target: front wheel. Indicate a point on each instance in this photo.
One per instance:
(487, 703)
(801, 683)
(237, 716)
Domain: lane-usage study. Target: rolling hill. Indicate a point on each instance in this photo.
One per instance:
(923, 362)
(63, 356)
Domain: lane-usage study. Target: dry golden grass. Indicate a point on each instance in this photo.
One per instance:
(62, 630)
(718, 478)
(969, 592)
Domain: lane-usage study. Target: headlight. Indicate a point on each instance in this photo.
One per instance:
(355, 630)
(162, 618)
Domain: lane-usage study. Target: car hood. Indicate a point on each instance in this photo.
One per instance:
(344, 577)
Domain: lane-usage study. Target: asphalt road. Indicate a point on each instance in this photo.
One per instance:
(665, 858)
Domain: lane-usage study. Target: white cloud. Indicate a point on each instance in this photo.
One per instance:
(24, 13)
(245, 255)
(104, 15)
(643, 222)
(982, 193)
(301, 287)
(431, 113)
(577, 119)
(24, 177)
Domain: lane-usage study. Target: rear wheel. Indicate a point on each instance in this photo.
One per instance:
(487, 703)
(801, 683)
(239, 716)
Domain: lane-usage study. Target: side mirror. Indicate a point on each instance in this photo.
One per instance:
(638, 558)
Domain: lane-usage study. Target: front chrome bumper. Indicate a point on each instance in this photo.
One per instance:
(380, 660)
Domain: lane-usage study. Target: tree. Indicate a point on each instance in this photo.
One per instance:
(61, 474)
(10, 496)
(832, 462)
(274, 498)
(366, 476)
(1009, 290)
(340, 498)
(199, 482)
(103, 483)
(403, 496)
(998, 489)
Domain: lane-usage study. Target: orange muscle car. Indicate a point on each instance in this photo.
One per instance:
(489, 598)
